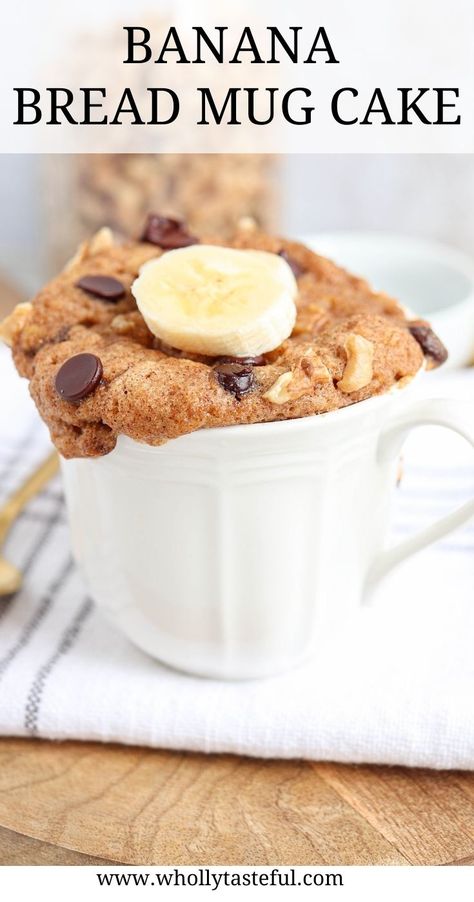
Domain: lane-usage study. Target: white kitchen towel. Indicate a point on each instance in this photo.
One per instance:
(398, 688)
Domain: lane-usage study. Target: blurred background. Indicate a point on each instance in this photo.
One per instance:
(51, 202)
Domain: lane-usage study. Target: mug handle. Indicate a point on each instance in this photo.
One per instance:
(453, 415)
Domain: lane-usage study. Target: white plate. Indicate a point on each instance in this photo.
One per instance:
(435, 281)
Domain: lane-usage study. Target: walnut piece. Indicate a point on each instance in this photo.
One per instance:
(12, 325)
(247, 224)
(279, 392)
(403, 382)
(315, 370)
(358, 371)
(102, 240)
(123, 324)
(298, 382)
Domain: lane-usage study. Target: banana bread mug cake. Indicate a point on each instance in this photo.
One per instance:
(229, 426)
(169, 334)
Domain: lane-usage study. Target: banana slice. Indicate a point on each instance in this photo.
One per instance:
(218, 300)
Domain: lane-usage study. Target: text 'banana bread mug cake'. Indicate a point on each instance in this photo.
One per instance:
(230, 417)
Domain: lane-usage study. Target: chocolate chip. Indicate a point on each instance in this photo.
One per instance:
(78, 377)
(166, 233)
(235, 378)
(104, 287)
(245, 361)
(429, 342)
(295, 267)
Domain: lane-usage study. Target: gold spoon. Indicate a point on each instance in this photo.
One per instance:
(10, 577)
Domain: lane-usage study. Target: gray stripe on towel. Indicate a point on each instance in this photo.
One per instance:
(68, 640)
(38, 616)
(40, 541)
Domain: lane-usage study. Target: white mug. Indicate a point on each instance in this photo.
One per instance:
(229, 552)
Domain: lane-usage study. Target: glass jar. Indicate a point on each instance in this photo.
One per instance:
(212, 192)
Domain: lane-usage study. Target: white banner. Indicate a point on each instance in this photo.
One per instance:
(367, 884)
(155, 76)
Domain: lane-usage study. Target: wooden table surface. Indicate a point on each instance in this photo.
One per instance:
(85, 803)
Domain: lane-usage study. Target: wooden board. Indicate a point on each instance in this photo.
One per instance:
(81, 803)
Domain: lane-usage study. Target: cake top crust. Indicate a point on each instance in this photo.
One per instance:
(348, 343)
